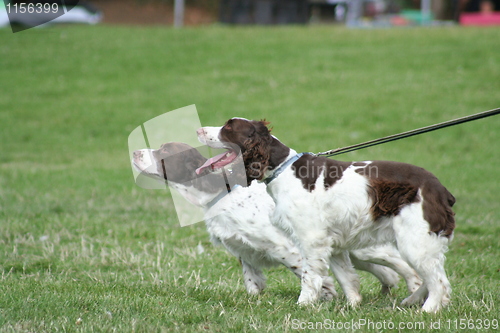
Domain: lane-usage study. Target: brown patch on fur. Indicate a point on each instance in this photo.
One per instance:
(256, 157)
(389, 197)
(394, 184)
(309, 167)
(437, 209)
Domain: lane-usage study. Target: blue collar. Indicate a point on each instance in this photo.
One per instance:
(221, 195)
(282, 168)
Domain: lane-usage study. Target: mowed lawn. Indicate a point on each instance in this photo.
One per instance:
(84, 249)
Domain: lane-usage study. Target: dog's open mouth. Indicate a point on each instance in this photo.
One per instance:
(219, 161)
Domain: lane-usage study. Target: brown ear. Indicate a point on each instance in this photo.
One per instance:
(257, 153)
(262, 127)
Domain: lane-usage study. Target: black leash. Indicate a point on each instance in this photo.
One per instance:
(407, 134)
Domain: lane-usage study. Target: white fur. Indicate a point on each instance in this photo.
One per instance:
(208, 136)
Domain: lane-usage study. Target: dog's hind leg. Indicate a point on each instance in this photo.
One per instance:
(387, 277)
(387, 255)
(424, 251)
(417, 298)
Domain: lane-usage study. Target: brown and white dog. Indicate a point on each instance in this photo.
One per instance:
(331, 207)
(240, 220)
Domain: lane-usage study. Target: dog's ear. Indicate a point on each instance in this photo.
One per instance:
(262, 128)
(257, 152)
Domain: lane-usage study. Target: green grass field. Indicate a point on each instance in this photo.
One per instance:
(83, 249)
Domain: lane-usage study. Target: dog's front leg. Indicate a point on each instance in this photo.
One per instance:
(343, 270)
(314, 272)
(311, 286)
(254, 280)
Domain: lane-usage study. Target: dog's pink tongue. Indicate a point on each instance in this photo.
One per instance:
(209, 162)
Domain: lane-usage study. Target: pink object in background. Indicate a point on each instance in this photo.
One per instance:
(480, 19)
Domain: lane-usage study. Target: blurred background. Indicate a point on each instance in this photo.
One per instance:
(351, 12)
(355, 13)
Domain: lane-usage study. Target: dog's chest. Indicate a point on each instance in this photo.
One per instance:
(243, 211)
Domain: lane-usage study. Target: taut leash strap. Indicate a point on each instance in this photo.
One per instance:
(407, 134)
